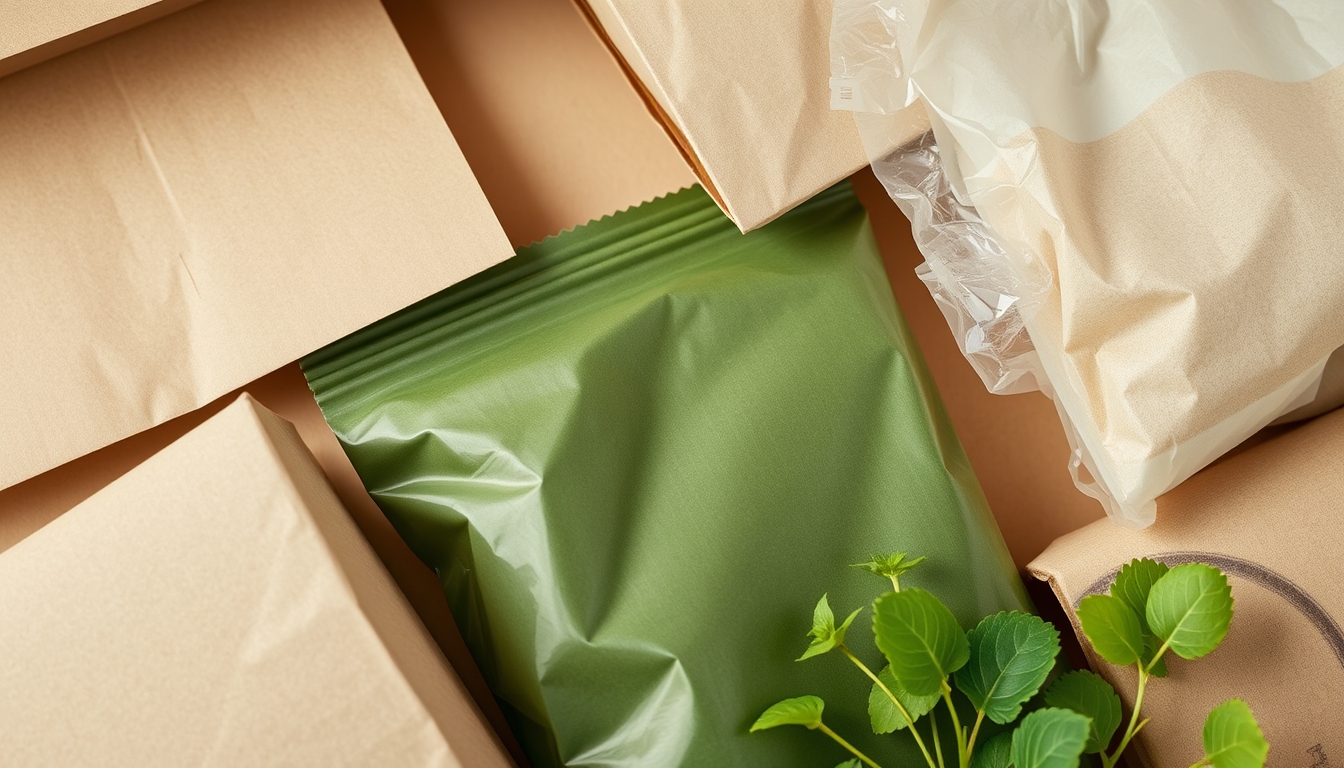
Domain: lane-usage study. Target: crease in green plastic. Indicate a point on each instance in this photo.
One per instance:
(638, 453)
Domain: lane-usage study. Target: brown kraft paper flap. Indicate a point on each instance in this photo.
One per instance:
(196, 202)
(32, 31)
(217, 605)
(744, 90)
(1269, 518)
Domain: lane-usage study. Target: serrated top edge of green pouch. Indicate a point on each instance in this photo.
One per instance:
(582, 256)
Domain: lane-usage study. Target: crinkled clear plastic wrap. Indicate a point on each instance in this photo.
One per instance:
(1146, 231)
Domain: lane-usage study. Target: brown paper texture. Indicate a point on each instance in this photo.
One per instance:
(32, 31)
(217, 605)
(744, 90)
(1268, 517)
(203, 199)
(547, 121)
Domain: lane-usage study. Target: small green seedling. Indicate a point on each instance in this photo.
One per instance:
(1004, 661)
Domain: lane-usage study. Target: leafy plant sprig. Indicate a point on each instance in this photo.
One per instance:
(1004, 661)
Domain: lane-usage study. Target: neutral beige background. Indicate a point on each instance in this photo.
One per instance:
(557, 137)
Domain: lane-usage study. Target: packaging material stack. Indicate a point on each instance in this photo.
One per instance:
(422, 382)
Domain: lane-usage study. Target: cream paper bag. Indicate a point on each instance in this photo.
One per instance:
(191, 204)
(1270, 518)
(742, 89)
(217, 606)
(1132, 205)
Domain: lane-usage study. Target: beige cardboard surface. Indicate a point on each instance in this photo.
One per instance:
(32, 31)
(217, 605)
(744, 89)
(200, 200)
(1270, 518)
(546, 119)
(26, 507)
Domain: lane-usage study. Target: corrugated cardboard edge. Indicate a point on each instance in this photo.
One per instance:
(386, 609)
(89, 35)
(1041, 571)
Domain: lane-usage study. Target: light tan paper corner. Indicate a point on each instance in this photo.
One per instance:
(249, 180)
(213, 605)
(744, 91)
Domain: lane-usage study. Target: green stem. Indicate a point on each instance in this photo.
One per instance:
(937, 742)
(1134, 723)
(822, 727)
(910, 721)
(895, 584)
(970, 745)
(957, 731)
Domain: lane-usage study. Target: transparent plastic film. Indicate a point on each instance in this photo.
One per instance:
(1137, 234)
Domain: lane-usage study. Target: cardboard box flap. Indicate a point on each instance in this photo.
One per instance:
(743, 88)
(1269, 518)
(201, 200)
(216, 605)
(32, 31)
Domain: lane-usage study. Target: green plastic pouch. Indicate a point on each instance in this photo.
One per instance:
(638, 453)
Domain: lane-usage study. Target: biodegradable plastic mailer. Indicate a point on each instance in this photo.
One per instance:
(218, 606)
(1269, 517)
(194, 203)
(639, 452)
(741, 88)
(1131, 205)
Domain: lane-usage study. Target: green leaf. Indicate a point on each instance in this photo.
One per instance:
(889, 566)
(1050, 738)
(1132, 585)
(851, 763)
(1190, 609)
(884, 715)
(995, 753)
(1232, 739)
(1087, 694)
(920, 638)
(1112, 628)
(804, 711)
(825, 635)
(1134, 581)
(1010, 656)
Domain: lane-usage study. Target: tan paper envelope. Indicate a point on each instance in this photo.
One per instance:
(196, 202)
(1270, 518)
(216, 605)
(744, 90)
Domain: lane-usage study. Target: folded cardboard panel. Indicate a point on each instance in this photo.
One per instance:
(32, 31)
(743, 88)
(203, 199)
(546, 119)
(1269, 518)
(217, 605)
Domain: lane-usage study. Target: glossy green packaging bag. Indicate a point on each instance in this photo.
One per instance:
(639, 452)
